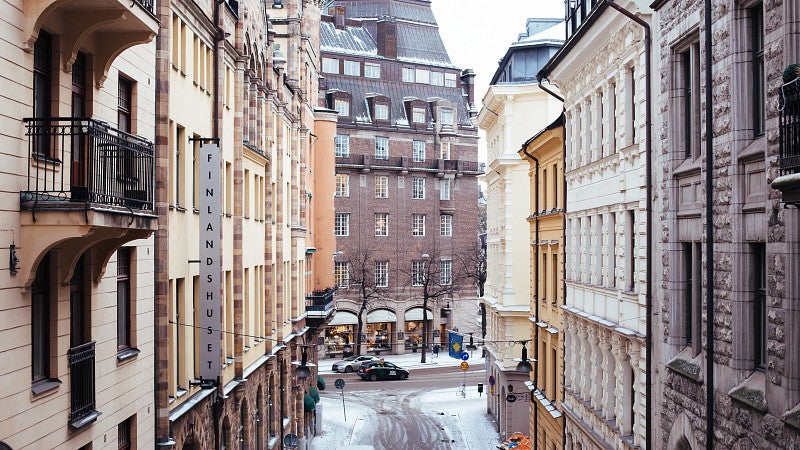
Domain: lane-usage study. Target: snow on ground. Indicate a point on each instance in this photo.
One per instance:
(465, 419)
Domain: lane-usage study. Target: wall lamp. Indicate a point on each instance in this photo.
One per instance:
(524, 363)
(303, 371)
(13, 260)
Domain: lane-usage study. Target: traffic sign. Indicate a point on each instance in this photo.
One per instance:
(339, 383)
(464, 365)
(464, 356)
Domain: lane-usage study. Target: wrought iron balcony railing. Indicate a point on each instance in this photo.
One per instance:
(81, 378)
(85, 160)
(146, 4)
(320, 301)
(789, 157)
(406, 163)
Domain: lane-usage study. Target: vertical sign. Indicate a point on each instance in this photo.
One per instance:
(210, 261)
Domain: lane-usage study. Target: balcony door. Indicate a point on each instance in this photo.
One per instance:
(79, 306)
(80, 181)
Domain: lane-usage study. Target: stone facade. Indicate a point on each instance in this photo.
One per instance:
(755, 239)
(601, 72)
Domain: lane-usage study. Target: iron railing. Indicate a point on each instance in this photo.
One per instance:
(146, 4)
(404, 162)
(86, 160)
(789, 129)
(81, 378)
(320, 301)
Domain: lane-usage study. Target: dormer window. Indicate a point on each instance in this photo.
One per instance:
(450, 80)
(378, 108)
(330, 65)
(437, 78)
(408, 74)
(381, 111)
(352, 68)
(342, 106)
(372, 70)
(419, 115)
(446, 116)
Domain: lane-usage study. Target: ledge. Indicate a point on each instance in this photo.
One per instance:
(126, 354)
(686, 368)
(751, 392)
(792, 418)
(789, 185)
(84, 421)
(44, 386)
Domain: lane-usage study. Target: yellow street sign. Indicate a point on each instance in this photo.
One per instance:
(464, 365)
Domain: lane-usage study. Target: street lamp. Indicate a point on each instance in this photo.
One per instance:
(524, 364)
(303, 371)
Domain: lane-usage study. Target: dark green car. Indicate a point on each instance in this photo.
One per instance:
(382, 370)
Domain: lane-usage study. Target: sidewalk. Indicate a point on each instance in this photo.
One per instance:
(411, 361)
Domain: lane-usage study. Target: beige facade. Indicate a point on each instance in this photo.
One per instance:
(243, 75)
(77, 282)
(545, 155)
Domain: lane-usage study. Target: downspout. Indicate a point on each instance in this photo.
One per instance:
(649, 221)
(536, 287)
(709, 234)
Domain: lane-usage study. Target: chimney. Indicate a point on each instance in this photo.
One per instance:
(338, 17)
(387, 38)
(468, 86)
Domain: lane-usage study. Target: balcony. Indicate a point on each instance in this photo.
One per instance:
(404, 164)
(319, 307)
(89, 185)
(81, 379)
(103, 28)
(789, 131)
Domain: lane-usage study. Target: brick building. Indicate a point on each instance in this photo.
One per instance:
(747, 288)
(406, 168)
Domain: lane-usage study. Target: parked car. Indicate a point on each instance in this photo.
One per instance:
(351, 363)
(382, 370)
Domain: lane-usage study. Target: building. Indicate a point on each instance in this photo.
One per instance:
(603, 72)
(545, 155)
(514, 108)
(77, 225)
(727, 294)
(238, 222)
(406, 178)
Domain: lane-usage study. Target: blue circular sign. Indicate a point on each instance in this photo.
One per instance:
(464, 356)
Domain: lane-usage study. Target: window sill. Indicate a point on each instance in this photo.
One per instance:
(792, 418)
(689, 368)
(126, 354)
(689, 167)
(752, 392)
(88, 419)
(754, 151)
(44, 386)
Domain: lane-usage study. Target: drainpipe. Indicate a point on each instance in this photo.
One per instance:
(536, 287)
(709, 234)
(649, 220)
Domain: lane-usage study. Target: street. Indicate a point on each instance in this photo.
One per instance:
(423, 412)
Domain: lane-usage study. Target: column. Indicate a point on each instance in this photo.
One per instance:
(609, 380)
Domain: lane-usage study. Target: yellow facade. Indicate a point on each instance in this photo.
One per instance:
(545, 154)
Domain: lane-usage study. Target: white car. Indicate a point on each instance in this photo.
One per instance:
(351, 363)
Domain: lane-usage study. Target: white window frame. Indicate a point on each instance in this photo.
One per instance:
(372, 70)
(381, 224)
(341, 273)
(437, 78)
(342, 185)
(341, 225)
(342, 145)
(330, 65)
(418, 151)
(418, 115)
(342, 106)
(447, 116)
(381, 186)
(408, 75)
(444, 189)
(446, 272)
(444, 150)
(422, 76)
(418, 188)
(446, 225)
(381, 273)
(417, 272)
(418, 224)
(381, 111)
(450, 80)
(381, 147)
(352, 68)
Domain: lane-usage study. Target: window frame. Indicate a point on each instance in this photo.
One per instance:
(372, 70)
(417, 272)
(418, 188)
(328, 65)
(408, 75)
(381, 147)
(381, 111)
(446, 225)
(382, 274)
(447, 116)
(418, 114)
(759, 88)
(418, 225)
(446, 272)
(352, 68)
(381, 186)
(418, 151)
(445, 189)
(341, 225)
(450, 80)
(381, 224)
(342, 106)
(125, 300)
(341, 274)
(342, 185)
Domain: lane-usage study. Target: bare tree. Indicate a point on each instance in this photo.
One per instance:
(472, 265)
(361, 272)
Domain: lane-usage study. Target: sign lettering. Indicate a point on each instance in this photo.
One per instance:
(210, 222)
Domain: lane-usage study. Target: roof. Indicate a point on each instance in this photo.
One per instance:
(532, 49)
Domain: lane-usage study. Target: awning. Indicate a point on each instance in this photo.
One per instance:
(381, 315)
(415, 314)
(344, 318)
(320, 383)
(314, 393)
(308, 403)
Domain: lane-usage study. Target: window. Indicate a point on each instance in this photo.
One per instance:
(381, 224)
(381, 111)
(444, 189)
(124, 298)
(446, 115)
(40, 321)
(381, 148)
(690, 252)
(450, 80)
(341, 226)
(422, 76)
(352, 68)
(342, 106)
(759, 83)
(341, 273)
(418, 151)
(437, 78)
(418, 188)
(418, 115)
(372, 70)
(446, 225)
(330, 65)
(381, 186)
(444, 150)
(445, 272)
(417, 273)
(381, 273)
(630, 109)
(408, 74)
(759, 287)
(42, 83)
(342, 185)
(124, 433)
(418, 225)
(342, 145)
(687, 84)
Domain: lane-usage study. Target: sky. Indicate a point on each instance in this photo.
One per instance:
(477, 33)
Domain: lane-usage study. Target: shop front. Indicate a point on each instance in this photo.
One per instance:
(381, 324)
(340, 335)
(413, 328)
